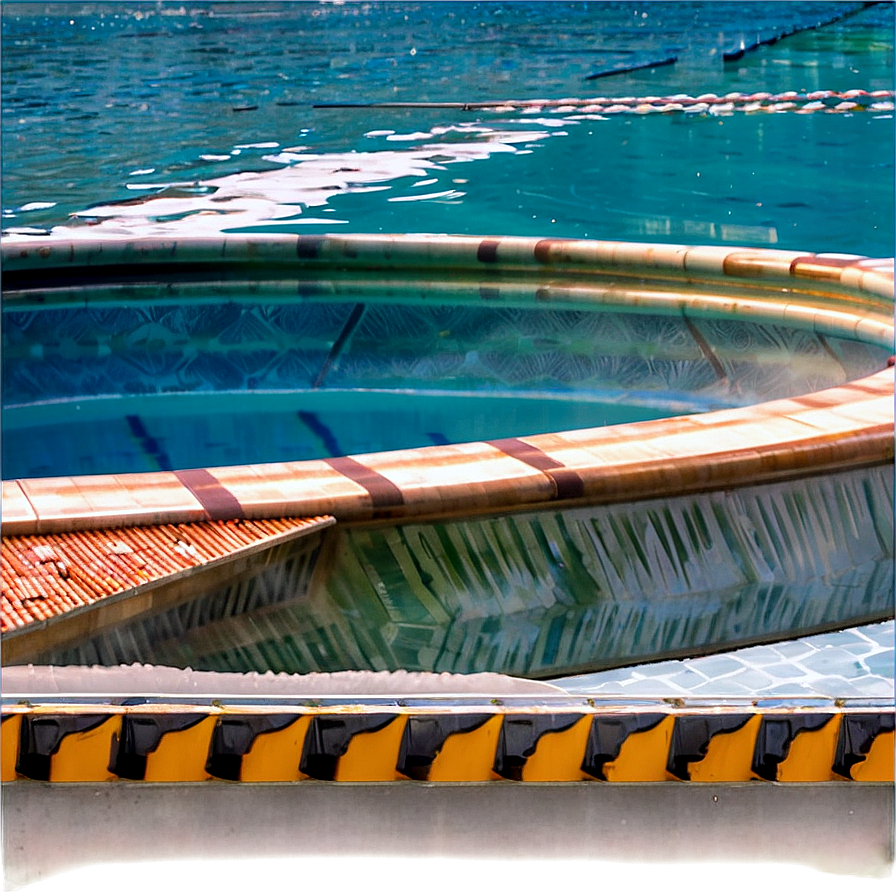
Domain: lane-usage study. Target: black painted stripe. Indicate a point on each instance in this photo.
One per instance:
(233, 738)
(706, 350)
(140, 736)
(148, 443)
(322, 431)
(858, 732)
(425, 736)
(348, 328)
(328, 739)
(691, 736)
(609, 733)
(383, 492)
(775, 737)
(568, 483)
(519, 738)
(217, 501)
(41, 736)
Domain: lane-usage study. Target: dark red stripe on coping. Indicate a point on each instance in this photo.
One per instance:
(217, 501)
(383, 493)
(487, 251)
(543, 250)
(567, 482)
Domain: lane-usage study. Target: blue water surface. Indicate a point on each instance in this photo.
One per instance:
(208, 111)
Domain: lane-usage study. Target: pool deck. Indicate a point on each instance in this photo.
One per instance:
(853, 663)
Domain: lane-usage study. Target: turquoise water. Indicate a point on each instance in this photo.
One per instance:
(139, 119)
(138, 386)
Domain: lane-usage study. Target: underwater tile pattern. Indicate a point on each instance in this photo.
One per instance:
(146, 349)
(854, 662)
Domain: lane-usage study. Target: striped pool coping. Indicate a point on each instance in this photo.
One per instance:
(847, 426)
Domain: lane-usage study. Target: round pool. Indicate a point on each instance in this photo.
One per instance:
(534, 456)
(154, 368)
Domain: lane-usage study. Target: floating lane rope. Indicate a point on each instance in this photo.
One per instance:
(706, 103)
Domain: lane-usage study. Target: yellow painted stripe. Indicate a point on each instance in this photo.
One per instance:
(9, 746)
(811, 754)
(729, 756)
(878, 765)
(275, 755)
(373, 755)
(181, 755)
(470, 755)
(85, 756)
(558, 754)
(643, 755)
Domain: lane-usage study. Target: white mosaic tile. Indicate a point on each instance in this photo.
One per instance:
(854, 662)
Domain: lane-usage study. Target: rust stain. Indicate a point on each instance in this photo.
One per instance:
(44, 576)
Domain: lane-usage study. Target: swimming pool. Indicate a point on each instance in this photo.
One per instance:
(241, 148)
(534, 554)
(172, 373)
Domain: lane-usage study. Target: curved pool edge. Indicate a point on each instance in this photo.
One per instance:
(840, 428)
(445, 253)
(843, 428)
(523, 519)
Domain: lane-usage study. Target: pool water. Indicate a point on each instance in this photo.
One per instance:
(140, 386)
(124, 119)
(137, 120)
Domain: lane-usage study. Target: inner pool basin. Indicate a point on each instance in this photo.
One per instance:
(449, 454)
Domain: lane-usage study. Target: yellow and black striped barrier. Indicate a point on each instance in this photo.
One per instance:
(437, 743)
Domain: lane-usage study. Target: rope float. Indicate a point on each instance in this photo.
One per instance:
(711, 103)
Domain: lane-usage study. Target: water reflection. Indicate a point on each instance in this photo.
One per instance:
(544, 594)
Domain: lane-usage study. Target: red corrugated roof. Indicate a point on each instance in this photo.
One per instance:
(44, 576)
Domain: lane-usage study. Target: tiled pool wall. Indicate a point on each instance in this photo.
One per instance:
(173, 376)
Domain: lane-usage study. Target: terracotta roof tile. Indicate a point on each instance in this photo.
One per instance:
(45, 576)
